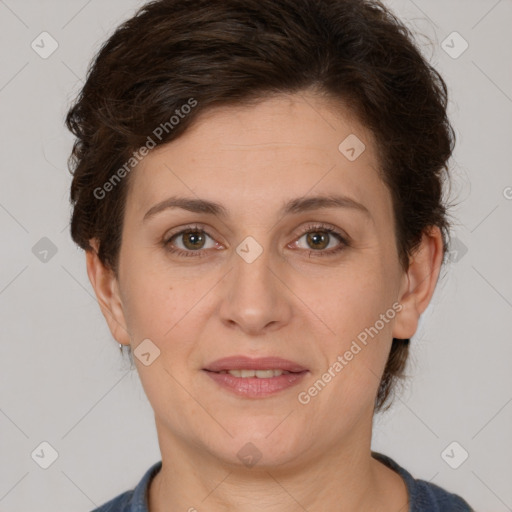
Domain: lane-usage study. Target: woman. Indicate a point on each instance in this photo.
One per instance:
(258, 188)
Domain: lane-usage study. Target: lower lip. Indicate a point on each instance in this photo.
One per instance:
(253, 387)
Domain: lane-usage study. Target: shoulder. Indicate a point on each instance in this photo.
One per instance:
(434, 498)
(425, 496)
(134, 500)
(121, 503)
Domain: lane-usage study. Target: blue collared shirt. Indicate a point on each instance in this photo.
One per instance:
(423, 496)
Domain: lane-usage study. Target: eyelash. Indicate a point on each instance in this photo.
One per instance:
(310, 228)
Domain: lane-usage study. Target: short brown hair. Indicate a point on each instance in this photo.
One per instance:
(231, 52)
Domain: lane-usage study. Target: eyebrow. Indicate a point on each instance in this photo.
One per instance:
(294, 206)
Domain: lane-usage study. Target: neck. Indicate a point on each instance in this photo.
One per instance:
(344, 478)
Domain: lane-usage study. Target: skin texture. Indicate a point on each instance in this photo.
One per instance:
(290, 302)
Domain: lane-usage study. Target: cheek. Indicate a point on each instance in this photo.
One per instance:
(358, 308)
(152, 309)
(157, 296)
(354, 300)
(151, 306)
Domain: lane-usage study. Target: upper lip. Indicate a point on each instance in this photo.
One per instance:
(247, 363)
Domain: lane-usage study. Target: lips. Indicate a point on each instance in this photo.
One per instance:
(255, 378)
(247, 363)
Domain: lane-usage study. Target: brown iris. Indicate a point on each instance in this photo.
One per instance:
(193, 240)
(315, 238)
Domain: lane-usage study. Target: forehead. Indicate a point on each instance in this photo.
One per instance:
(287, 145)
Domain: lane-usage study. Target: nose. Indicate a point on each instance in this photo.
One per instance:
(256, 299)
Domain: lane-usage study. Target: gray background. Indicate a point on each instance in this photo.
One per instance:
(62, 379)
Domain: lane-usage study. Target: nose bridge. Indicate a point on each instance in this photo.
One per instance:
(253, 259)
(252, 274)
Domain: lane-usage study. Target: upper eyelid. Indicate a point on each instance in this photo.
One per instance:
(186, 229)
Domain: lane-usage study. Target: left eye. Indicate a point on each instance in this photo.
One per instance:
(193, 240)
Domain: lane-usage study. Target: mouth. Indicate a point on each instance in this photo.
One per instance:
(255, 378)
(240, 363)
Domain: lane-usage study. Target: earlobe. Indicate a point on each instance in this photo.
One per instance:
(106, 288)
(419, 283)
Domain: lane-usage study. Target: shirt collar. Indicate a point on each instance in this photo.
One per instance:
(140, 497)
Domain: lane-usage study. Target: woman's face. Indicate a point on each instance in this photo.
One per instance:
(261, 278)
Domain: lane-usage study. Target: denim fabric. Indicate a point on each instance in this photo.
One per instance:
(423, 496)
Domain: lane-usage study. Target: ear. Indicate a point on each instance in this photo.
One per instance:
(106, 288)
(419, 283)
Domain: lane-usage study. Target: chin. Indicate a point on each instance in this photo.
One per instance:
(261, 449)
